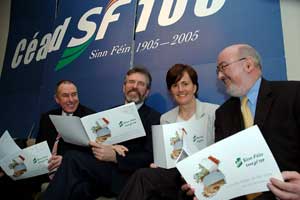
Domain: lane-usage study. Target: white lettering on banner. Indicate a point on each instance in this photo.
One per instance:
(58, 35)
(110, 17)
(98, 54)
(50, 43)
(87, 26)
(120, 49)
(164, 19)
(201, 9)
(145, 14)
(147, 45)
(17, 57)
(43, 51)
(31, 49)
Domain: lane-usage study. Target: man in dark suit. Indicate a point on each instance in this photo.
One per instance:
(66, 96)
(87, 176)
(275, 107)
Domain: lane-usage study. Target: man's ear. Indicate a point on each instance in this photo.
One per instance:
(250, 65)
(147, 92)
(123, 88)
(56, 99)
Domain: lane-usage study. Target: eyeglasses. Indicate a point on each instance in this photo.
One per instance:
(221, 68)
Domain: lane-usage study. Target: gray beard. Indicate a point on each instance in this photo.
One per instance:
(235, 91)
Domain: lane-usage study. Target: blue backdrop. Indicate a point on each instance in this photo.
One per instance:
(94, 43)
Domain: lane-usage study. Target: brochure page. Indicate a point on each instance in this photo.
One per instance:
(27, 162)
(110, 127)
(170, 140)
(238, 165)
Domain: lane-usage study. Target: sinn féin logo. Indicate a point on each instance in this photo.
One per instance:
(37, 49)
(73, 52)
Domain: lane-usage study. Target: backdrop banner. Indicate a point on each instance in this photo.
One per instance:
(95, 42)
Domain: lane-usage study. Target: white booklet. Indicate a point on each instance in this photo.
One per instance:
(238, 165)
(23, 163)
(110, 127)
(174, 142)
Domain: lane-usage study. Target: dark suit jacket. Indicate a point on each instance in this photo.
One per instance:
(47, 131)
(278, 117)
(140, 152)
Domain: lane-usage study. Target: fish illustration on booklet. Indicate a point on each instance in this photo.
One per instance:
(101, 130)
(177, 143)
(210, 176)
(18, 166)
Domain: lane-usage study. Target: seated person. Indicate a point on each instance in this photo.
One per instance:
(158, 183)
(66, 96)
(85, 175)
(275, 109)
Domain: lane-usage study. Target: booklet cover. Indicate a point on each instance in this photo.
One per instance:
(110, 127)
(23, 163)
(238, 165)
(173, 142)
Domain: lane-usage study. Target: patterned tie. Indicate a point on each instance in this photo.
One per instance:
(248, 121)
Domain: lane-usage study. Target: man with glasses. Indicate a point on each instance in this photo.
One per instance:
(104, 171)
(274, 107)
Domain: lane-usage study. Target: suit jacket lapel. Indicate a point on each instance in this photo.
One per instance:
(238, 120)
(264, 103)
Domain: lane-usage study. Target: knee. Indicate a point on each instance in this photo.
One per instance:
(72, 158)
(145, 173)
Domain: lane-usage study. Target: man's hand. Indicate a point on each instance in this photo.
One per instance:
(120, 149)
(103, 152)
(54, 162)
(287, 190)
(1, 173)
(188, 190)
(153, 165)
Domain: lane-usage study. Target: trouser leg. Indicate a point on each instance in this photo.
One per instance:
(80, 176)
(152, 183)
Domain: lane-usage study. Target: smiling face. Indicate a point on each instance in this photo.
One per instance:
(183, 91)
(234, 75)
(67, 97)
(135, 88)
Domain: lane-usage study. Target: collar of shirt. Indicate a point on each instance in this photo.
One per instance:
(138, 106)
(252, 96)
(63, 113)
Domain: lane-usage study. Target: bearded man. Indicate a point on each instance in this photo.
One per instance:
(104, 172)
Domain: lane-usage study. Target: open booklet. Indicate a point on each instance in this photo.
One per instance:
(238, 165)
(23, 163)
(173, 142)
(110, 127)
